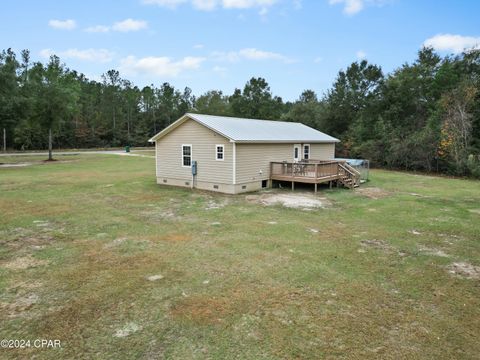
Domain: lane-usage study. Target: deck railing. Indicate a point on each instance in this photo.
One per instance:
(313, 170)
(316, 171)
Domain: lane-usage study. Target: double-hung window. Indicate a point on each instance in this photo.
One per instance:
(306, 152)
(219, 152)
(187, 155)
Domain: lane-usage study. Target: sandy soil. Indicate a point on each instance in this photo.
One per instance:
(296, 201)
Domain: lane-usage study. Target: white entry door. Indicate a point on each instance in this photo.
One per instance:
(297, 149)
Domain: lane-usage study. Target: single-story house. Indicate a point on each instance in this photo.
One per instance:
(234, 155)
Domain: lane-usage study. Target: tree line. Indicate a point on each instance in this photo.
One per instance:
(424, 115)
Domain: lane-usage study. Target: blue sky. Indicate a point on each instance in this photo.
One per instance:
(220, 44)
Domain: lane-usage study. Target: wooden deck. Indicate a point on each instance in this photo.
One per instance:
(315, 172)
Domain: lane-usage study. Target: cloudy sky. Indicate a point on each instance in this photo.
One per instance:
(220, 44)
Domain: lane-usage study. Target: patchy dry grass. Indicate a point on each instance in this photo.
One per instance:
(95, 254)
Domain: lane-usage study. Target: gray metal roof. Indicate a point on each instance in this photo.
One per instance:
(255, 130)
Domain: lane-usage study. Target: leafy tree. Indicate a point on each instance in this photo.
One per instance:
(213, 103)
(256, 101)
(424, 115)
(56, 98)
(9, 92)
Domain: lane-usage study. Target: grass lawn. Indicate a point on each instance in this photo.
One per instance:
(94, 253)
(36, 159)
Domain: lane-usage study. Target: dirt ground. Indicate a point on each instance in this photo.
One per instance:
(303, 201)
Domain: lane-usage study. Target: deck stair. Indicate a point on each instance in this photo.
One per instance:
(349, 176)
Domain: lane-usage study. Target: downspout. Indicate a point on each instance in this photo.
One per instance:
(156, 162)
(234, 163)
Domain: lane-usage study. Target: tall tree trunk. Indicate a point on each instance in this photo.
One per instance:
(4, 140)
(154, 122)
(128, 126)
(50, 157)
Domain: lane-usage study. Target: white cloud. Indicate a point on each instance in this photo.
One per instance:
(129, 25)
(453, 43)
(205, 5)
(297, 4)
(198, 46)
(68, 24)
(165, 3)
(159, 66)
(255, 54)
(249, 54)
(247, 4)
(350, 7)
(263, 11)
(98, 29)
(209, 5)
(361, 54)
(93, 55)
(221, 71)
(318, 59)
(121, 26)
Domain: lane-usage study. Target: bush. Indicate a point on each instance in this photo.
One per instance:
(473, 165)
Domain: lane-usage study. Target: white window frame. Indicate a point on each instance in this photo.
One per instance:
(182, 156)
(309, 150)
(223, 152)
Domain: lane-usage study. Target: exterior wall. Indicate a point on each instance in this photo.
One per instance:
(253, 160)
(322, 151)
(203, 141)
(202, 185)
(216, 187)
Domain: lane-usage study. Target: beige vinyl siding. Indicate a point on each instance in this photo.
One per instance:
(322, 151)
(253, 160)
(203, 141)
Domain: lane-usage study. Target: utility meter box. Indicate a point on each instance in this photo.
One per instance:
(194, 168)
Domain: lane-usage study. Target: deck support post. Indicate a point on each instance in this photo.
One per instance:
(331, 184)
(293, 185)
(316, 187)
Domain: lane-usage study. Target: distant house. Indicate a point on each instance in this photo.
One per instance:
(234, 155)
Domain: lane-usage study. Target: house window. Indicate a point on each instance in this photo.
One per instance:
(187, 155)
(219, 152)
(306, 152)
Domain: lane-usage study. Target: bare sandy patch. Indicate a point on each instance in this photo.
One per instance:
(382, 246)
(158, 214)
(372, 192)
(41, 162)
(464, 270)
(43, 234)
(115, 243)
(19, 305)
(377, 244)
(215, 204)
(16, 165)
(295, 201)
(154, 277)
(172, 237)
(127, 330)
(22, 263)
(433, 252)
